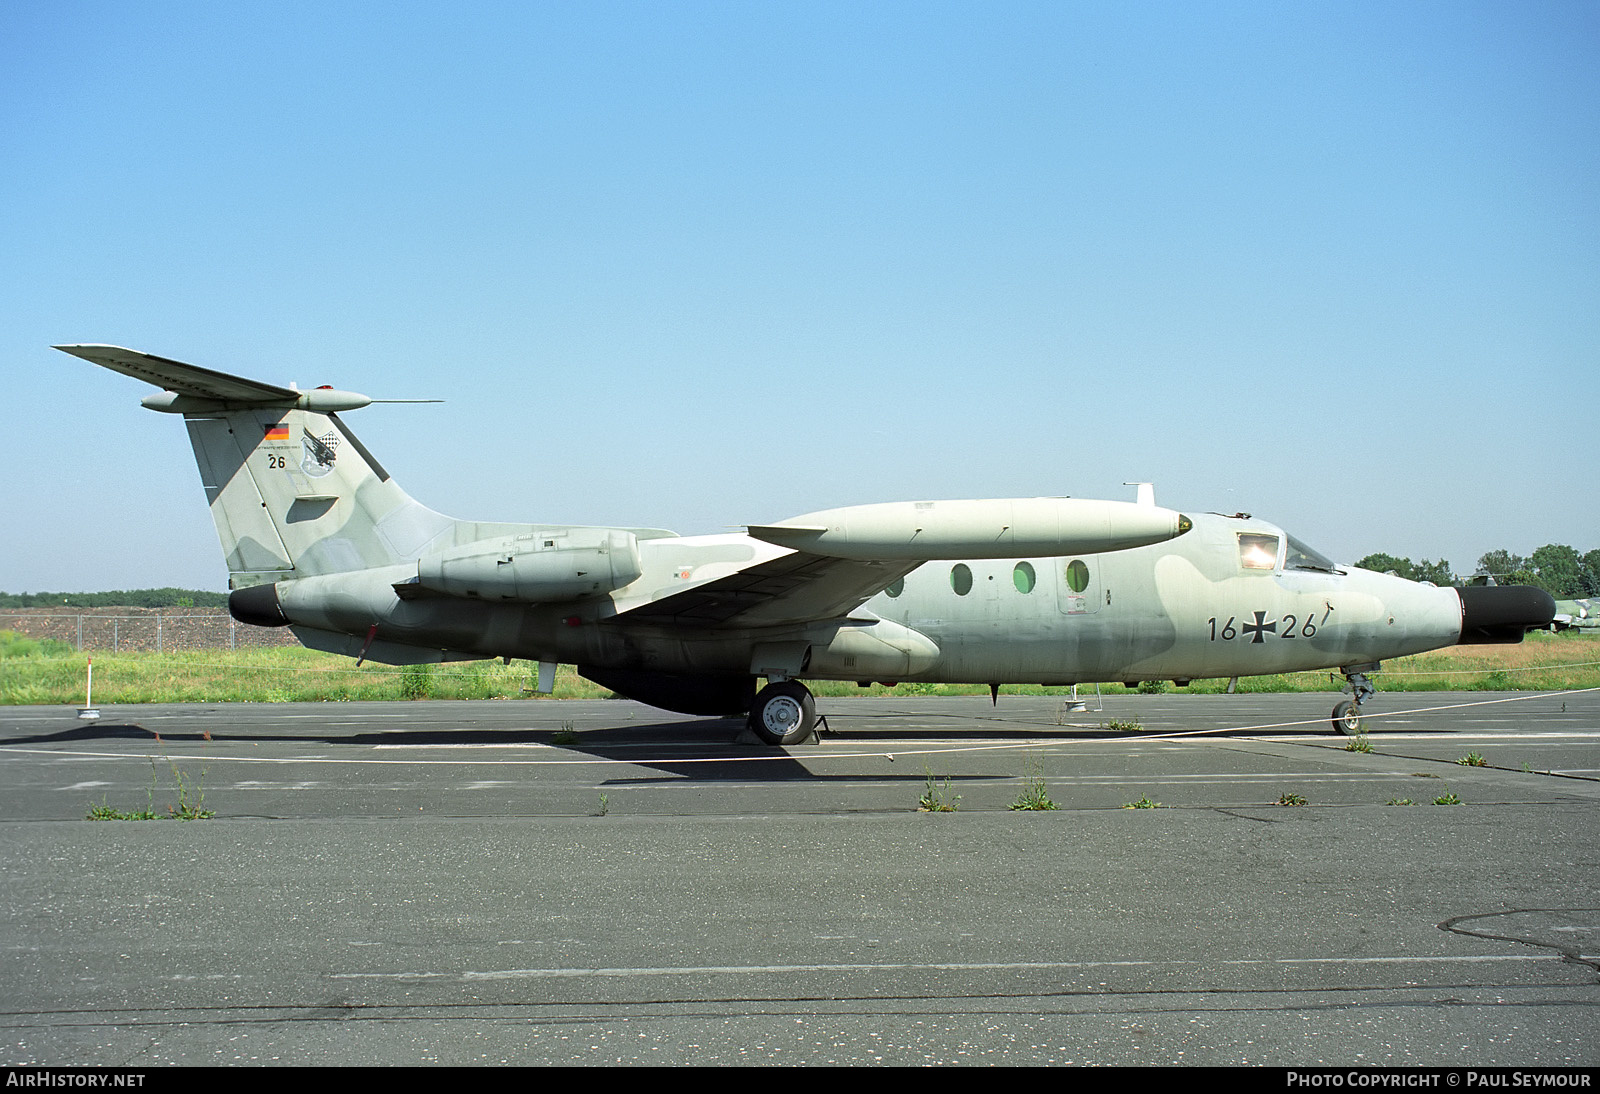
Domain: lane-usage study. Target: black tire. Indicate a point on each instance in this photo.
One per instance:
(783, 713)
(1347, 719)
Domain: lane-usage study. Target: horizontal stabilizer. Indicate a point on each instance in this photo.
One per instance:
(182, 379)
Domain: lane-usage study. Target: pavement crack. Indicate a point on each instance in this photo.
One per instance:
(1246, 816)
(1536, 924)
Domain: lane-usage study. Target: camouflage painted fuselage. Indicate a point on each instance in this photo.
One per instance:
(317, 536)
(1184, 609)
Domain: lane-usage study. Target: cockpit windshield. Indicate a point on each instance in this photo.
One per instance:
(1258, 551)
(1301, 557)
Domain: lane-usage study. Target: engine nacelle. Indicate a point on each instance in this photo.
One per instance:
(536, 568)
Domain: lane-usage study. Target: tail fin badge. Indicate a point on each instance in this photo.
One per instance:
(319, 453)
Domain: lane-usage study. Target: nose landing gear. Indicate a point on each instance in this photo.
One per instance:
(1347, 715)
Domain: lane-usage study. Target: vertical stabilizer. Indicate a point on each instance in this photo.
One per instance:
(294, 494)
(292, 491)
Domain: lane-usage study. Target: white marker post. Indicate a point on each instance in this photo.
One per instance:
(88, 713)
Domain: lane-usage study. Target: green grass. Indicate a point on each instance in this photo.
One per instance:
(14, 645)
(276, 675)
(50, 672)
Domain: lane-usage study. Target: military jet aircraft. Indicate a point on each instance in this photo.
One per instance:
(1060, 591)
(1582, 614)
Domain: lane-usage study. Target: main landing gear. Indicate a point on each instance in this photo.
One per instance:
(1347, 715)
(783, 713)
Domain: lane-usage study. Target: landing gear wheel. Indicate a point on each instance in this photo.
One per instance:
(783, 713)
(1347, 718)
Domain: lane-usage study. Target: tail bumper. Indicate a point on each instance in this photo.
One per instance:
(258, 606)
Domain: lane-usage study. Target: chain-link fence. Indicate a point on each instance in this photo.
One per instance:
(142, 630)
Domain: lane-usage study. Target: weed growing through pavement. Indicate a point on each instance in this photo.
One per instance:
(1035, 795)
(190, 805)
(936, 798)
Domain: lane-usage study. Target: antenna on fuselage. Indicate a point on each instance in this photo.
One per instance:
(1147, 492)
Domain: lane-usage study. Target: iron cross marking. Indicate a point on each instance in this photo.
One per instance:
(1258, 626)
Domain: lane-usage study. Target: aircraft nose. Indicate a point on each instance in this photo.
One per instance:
(1503, 613)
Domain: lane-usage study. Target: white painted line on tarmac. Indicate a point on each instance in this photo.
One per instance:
(1458, 735)
(468, 976)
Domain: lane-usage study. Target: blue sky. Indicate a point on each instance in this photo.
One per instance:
(696, 265)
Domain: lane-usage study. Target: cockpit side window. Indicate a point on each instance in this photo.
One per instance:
(1258, 551)
(1301, 557)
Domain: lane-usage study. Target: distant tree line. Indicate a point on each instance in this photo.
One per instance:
(1436, 572)
(118, 598)
(1558, 569)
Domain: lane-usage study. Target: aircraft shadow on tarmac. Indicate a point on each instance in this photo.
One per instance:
(707, 738)
(95, 731)
(710, 733)
(513, 737)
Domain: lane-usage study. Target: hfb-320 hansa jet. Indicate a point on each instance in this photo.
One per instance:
(1055, 591)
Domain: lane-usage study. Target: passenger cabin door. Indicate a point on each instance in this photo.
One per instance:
(1078, 590)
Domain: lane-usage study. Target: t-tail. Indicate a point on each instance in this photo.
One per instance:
(292, 491)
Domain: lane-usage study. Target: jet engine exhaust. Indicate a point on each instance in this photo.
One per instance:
(258, 606)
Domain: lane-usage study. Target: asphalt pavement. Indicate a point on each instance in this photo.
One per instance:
(599, 882)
